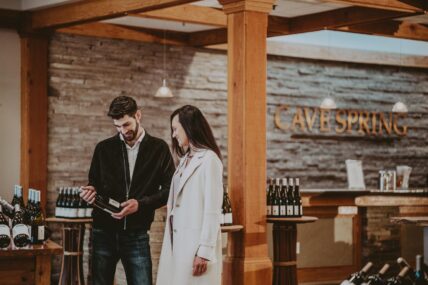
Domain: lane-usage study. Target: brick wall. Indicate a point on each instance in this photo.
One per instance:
(87, 73)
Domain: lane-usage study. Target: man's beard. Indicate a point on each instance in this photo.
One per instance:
(132, 134)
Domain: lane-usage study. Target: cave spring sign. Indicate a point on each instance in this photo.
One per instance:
(340, 121)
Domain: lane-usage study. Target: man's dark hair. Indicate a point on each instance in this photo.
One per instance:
(121, 106)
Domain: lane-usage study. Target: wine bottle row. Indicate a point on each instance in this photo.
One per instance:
(406, 276)
(283, 198)
(226, 210)
(69, 204)
(20, 223)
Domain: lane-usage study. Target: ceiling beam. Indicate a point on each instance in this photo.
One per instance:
(397, 5)
(211, 37)
(189, 14)
(105, 30)
(339, 18)
(333, 19)
(396, 29)
(92, 10)
(10, 19)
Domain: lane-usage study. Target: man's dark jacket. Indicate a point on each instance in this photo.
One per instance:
(151, 180)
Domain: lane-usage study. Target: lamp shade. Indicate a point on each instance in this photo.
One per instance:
(328, 103)
(164, 91)
(399, 107)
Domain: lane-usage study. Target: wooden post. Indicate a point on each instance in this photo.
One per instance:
(247, 261)
(34, 113)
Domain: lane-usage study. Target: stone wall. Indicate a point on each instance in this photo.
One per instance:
(87, 73)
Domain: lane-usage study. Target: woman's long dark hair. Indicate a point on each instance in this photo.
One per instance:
(197, 130)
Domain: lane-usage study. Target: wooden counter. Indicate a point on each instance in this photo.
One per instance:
(29, 265)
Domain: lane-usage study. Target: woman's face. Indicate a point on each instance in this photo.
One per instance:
(178, 133)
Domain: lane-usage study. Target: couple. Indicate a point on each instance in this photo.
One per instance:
(137, 170)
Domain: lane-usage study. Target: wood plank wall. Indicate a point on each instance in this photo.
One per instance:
(85, 74)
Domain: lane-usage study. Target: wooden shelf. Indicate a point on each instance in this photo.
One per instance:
(297, 220)
(232, 228)
(48, 248)
(71, 221)
(420, 221)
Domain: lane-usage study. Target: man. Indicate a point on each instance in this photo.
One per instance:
(134, 169)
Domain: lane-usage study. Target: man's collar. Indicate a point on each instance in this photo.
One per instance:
(140, 139)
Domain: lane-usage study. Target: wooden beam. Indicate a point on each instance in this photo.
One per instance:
(189, 14)
(92, 10)
(339, 18)
(247, 261)
(308, 23)
(10, 19)
(113, 31)
(203, 38)
(34, 114)
(397, 5)
(396, 29)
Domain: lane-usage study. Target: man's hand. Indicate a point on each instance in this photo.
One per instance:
(199, 266)
(129, 207)
(88, 194)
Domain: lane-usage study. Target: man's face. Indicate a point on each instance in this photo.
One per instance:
(128, 126)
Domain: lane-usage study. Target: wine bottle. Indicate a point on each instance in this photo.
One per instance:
(107, 205)
(290, 200)
(419, 271)
(58, 203)
(401, 278)
(359, 277)
(20, 198)
(298, 209)
(20, 234)
(8, 209)
(283, 198)
(228, 219)
(378, 278)
(37, 223)
(4, 230)
(403, 263)
(276, 199)
(269, 193)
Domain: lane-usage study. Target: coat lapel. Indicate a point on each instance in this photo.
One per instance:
(189, 170)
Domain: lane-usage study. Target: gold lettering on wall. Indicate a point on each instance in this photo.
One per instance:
(313, 119)
(310, 120)
(298, 120)
(340, 121)
(278, 122)
(324, 120)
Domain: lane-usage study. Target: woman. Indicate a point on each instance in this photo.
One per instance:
(191, 249)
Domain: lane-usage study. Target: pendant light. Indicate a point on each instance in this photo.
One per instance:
(328, 102)
(400, 107)
(164, 91)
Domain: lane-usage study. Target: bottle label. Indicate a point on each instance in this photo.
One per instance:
(282, 210)
(269, 210)
(228, 218)
(296, 210)
(74, 213)
(289, 210)
(88, 212)
(222, 219)
(114, 203)
(301, 210)
(20, 229)
(81, 212)
(275, 210)
(4, 230)
(41, 233)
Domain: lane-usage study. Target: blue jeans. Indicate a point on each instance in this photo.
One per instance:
(131, 247)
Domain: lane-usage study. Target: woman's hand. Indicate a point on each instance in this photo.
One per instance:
(199, 266)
